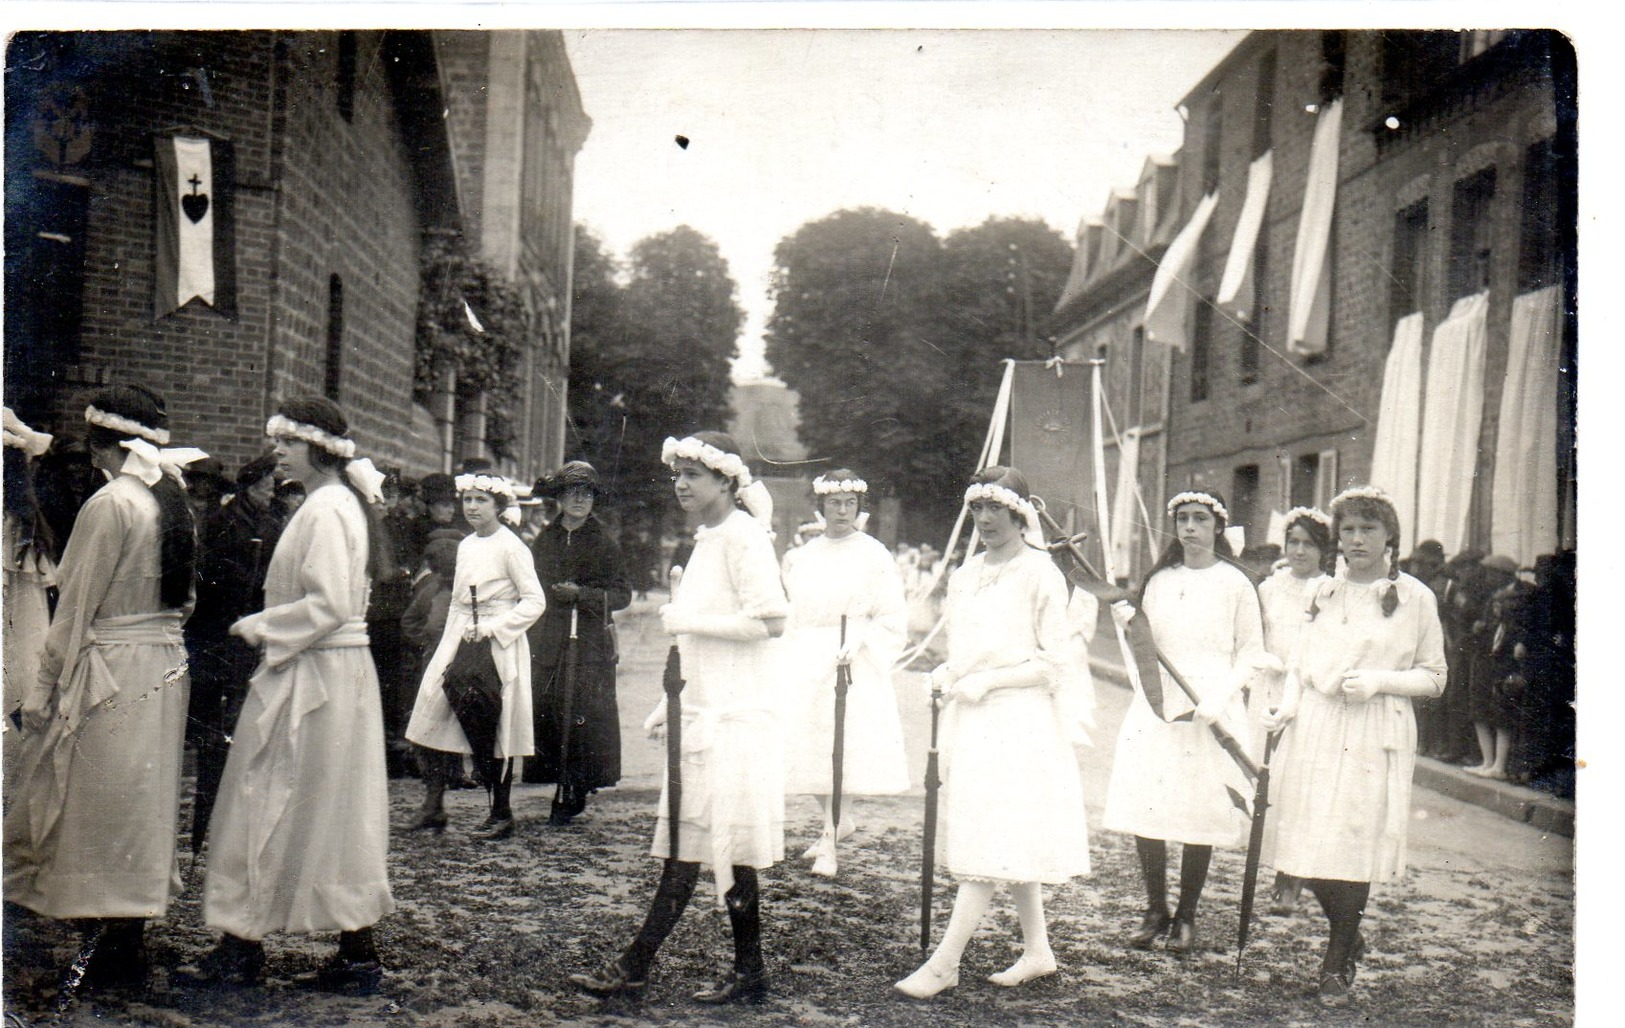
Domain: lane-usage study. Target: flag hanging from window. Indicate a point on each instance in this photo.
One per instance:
(196, 251)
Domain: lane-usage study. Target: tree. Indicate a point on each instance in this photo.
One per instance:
(650, 358)
(851, 332)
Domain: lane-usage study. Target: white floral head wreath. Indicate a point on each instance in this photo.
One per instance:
(1361, 492)
(1194, 496)
(1315, 514)
(338, 446)
(128, 426)
(20, 436)
(728, 465)
(829, 486)
(1007, 497)
(496, 485)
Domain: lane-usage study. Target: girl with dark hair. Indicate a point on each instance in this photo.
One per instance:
(1285, 596)
(726, 606)
(1342, 797)
(90, 832)
(301, 828)
(843, 573)
(1169, 775)
(1013, 808)
(494, 568)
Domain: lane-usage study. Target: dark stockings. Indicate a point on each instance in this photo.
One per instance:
(677, 882)
(1154, 869)
(1344, 904)
(497, 774)
(1193, 865)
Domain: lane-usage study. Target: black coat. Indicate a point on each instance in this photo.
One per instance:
(589, 558)
(234, 550)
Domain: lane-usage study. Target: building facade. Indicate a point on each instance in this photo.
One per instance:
(331, 157)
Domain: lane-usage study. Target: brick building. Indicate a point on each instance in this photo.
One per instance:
(347, 149)
(1453, 177)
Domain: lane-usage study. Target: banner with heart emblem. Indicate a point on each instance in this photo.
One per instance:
(195, 224)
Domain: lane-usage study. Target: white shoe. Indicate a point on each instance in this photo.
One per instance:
(848, 827)
(824, 863)
(845, 832)
(1024, 970)
(926, 982)
(811, 852)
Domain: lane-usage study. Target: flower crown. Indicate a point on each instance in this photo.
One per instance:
(496, 485)
(19, 435)
(828, 486)
(1003, 496)
(129, 426)
(338, 446)
(1361, 492)
(1193, 496)
(728, 465)
(1315, 514)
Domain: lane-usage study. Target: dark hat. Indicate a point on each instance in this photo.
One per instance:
(256, 469)
(572, 475)
(1500, 562)
(206, 477)
(474, 465)
(1428, 549)
(437, 487)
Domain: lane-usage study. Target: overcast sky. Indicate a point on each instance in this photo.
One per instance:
(784, 127)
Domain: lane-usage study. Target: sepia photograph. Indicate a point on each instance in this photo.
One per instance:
(798, 514)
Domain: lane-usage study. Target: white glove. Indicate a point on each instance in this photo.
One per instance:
(1210, 709)
(1267, 661)
(854, 640)
(1276, 718)
(1360, 685)
(1123, 612)
(655, 724)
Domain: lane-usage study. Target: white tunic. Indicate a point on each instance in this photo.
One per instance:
(1341, 798)
(92, 809)
(502, 572)
(1168, 780)
(1012, 802)
(732, 754)
(855, 576)
(301, 829)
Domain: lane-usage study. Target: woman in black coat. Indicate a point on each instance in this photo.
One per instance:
(581, 569)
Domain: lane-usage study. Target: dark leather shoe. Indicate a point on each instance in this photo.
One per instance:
(427, 821)
(1151, 929)
(1334, 990)
(337, 974)
(232, 962)
(738, 987)
(498, 830)
(611, 980)
(1182, 938)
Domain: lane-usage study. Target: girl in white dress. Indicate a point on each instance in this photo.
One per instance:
(1285, 597)
(1013, 802)
(727, 606)
(30, 572)
(1343, 776)
(843, 572)
(497, 565)
(1169, 777)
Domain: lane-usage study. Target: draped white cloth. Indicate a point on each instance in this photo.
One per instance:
(1523, 512)
(1309, 304)
(1168, 307)
(1399, 425)
(1236, 286)
(1125, 524)
(1453, 410)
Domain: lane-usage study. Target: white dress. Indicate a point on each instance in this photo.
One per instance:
(855, 576)
(732, 754)
(28, 574)
(1284, 598)
(92, 809)
(1012, 801)
(1341, 797)
(1169, 779)
(301, 829)
(503, 573)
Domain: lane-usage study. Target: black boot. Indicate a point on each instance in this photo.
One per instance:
(233, 962)
(354, 968)
(500, 824)
(1344, 904)
(628, 974)
(432, 815)
(1193, 865)
(747, 983)
(115, 954)
(1153, 855)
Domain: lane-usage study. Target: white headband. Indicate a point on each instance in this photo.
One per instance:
(493, 484)
(1314, 514)
(1004, 497)
(115, 423)
(338, 446)
(829, 486)
(1362, 492)
(728, 465)
(1197, 497)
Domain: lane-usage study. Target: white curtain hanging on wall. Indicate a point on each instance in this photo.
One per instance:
(1236, 286)
(1452, 412)
(1167, 309)
(1399, 425)
(1523, 512)
(1309, 305)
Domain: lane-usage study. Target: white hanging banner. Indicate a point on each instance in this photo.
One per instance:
(1399, 425)
(1309, 304)
(1167, 309)
(1236, 287)
(1452, 413)
(1524, 509)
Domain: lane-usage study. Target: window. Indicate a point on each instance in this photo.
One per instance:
(1470, 228)
(345, 81)
(335, 338)
(1244, 499)
(1543, 221)
(1305, 480)
(1333, 51)
(1405, 274)
(1264, 104)
(1325, 478)
(1202, 350)
(1136, 377)
(1212, 123)
(45, 285)
(1412, 61)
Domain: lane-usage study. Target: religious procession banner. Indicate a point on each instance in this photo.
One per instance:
(1050, 443)
(195, 224)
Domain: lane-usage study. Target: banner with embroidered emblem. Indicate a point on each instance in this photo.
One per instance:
(195, 224)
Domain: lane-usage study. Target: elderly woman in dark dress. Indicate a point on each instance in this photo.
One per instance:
(581, 570)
